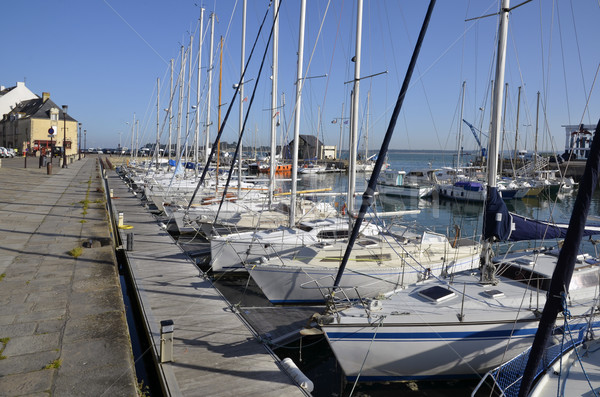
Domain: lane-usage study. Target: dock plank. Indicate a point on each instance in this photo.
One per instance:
(215, 352)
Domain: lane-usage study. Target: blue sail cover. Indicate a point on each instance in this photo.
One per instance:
(506, 226)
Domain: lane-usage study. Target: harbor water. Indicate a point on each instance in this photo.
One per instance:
(312, 354)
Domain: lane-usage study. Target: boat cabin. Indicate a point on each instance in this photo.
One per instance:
(392, 178)
(536, 269)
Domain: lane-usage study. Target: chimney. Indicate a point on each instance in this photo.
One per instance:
(45, 96)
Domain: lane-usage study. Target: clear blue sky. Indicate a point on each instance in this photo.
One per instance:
(102, 58)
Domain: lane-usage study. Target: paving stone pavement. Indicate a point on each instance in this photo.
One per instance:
(63, 330)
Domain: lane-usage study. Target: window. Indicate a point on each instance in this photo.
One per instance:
(54, 116)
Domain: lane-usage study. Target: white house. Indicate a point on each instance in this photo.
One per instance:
(10, 97)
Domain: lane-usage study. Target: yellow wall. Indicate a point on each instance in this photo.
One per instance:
(40, 129)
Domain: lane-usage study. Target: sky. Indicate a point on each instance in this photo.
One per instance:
(102, 58)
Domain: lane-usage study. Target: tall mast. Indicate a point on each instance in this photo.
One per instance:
(503, 130)
(497, 100)
(210, 68)
(354, 111)
(187, 102)
(241, 122)
(460, 123)
(339, 156)
(299, 83)
(517, 131)
(219, 114)
(197, 137)
(170, 114)
(137, 137)
(537, 116)
(179, 107)
(274, 100)
(132, 136)
(487, 273)
(157, 149)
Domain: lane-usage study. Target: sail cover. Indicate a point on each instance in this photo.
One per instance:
(503, 225)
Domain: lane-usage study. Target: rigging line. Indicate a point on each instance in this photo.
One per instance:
(135, 31)
(562, 50)
(437, 135)
(587, 102)
(237, 88)
(546, 74)
(369, 192)
(337, 32)
(305, 77)
(241, 134)
(367, 354)
(579, 54)
(434, 63)
(522, 81)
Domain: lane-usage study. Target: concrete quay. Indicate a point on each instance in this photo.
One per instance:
(63, 330)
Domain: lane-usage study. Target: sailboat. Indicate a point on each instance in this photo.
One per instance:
(380, 264)
(465, 324)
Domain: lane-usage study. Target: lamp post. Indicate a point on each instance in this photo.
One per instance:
(84, 139)
(65, 108)
(79, 143)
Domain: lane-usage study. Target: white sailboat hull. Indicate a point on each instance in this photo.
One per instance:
(406, 191)
(426, 351)
(462, 329)
(228, 254)
(310, 284)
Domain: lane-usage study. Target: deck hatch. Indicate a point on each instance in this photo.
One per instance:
(437, 294)
(493, 293)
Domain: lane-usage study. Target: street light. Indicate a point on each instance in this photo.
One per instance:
(65, 108)
(79, 143)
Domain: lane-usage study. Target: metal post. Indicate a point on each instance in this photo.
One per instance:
(79, 143)
(65, 108)
(166, 341)
(129, 241)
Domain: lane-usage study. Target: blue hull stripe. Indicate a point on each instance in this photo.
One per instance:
(432, 335)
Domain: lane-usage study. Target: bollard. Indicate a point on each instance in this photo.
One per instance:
(111, 193)
(129, 241)
(49, 169)
(120, 219)
(166, 341)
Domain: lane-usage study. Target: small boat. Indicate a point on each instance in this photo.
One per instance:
(311, 168)
(415, 183)
(279, 169)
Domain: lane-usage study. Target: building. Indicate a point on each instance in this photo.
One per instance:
(309, 148)
(34, 125)
(578, 141)
(11, 96)
(329, 152)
